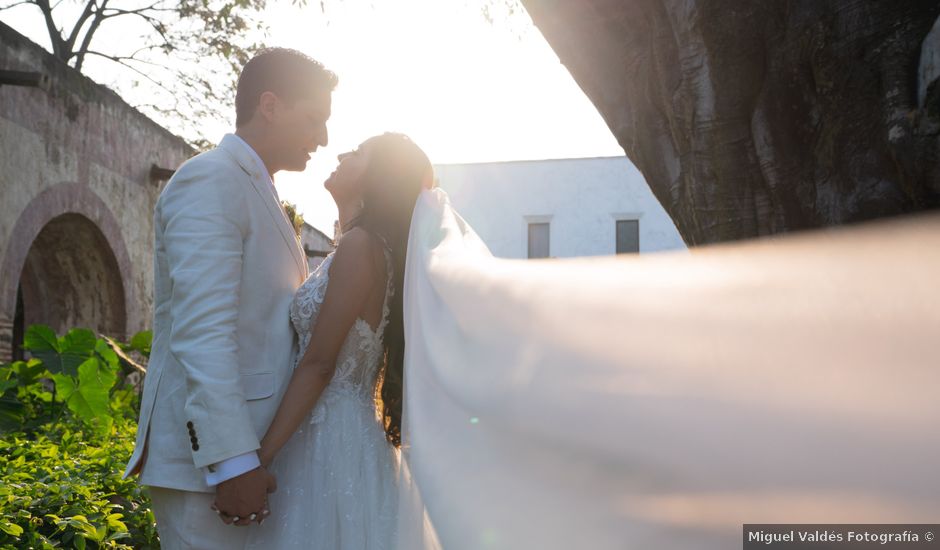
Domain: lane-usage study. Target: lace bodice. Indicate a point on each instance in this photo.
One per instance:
(337, 473)
(358, 361)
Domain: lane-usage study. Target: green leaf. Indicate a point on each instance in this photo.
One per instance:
(11, 414)
(89, 399)
(75, 347)
(123, 534)
(29, 373)
(64, 386)
(107, 354)
(40, 338)
(51, 451)
(11, 528)
(78, 340)
(60, 355)
(114, 522)
(142, 341)
(94, 376)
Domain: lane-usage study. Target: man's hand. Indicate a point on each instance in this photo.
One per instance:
(243, 500)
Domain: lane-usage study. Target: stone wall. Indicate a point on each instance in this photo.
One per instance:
(76, 228)
(317, 245)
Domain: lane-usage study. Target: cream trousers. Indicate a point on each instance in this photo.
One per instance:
(186, 521)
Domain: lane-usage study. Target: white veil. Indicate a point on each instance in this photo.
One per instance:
(663, 401)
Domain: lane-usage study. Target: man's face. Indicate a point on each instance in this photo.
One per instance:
(300, 128)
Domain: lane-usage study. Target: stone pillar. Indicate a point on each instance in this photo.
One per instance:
(6, 337)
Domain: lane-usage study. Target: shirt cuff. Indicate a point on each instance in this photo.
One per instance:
(231, 467)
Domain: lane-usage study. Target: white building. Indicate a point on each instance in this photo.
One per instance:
(560, 208)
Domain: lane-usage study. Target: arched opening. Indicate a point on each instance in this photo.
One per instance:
(71, 279)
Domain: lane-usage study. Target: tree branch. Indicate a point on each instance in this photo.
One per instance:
(188, 33)
(123, 62)
(55, 37)
(13, 5)
(86, 42)
(130, 58)
(155, 23)
(90, 8)
(115, 12)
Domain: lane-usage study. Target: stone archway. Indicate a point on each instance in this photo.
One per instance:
(71, 279)
(66, 265)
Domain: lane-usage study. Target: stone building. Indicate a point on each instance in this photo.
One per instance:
(80, 172)
(317, 245)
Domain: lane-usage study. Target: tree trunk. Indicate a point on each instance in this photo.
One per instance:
(754, 118)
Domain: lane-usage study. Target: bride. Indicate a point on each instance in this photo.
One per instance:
(334, 442)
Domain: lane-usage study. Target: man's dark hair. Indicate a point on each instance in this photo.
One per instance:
(290, 74)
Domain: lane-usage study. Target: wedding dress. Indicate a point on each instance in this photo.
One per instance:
(663, 400)
(337, 475)
(659, 401)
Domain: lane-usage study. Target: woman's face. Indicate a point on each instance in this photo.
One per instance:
(346, 182)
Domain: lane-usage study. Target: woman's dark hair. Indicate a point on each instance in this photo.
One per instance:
(290, 74)
(397, 172)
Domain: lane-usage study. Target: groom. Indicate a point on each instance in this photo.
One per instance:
(226, 265)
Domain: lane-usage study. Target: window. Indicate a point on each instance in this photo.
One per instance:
(538, 240)
(628, 236)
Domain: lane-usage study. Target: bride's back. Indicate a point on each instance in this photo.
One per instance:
(360, 356)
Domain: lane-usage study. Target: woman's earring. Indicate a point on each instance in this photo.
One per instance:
(362, 204)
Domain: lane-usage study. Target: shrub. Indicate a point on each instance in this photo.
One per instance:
(68, 421)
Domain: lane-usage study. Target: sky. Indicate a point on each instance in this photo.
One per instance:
(464, 88)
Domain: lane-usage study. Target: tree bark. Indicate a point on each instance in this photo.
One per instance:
(755, 118)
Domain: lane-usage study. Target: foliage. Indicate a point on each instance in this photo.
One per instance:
(68, 421)
(62, 486)
(78, 372)
(295, 217)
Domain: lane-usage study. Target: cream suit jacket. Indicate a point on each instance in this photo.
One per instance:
(226, 265)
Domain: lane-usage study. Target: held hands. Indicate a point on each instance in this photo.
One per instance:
(243, 500)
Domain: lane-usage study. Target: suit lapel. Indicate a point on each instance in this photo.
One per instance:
(232, 145)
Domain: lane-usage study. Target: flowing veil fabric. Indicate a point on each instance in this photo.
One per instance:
(663, 401)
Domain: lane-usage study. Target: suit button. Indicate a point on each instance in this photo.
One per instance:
(195, 446)
(189, 424)
(194, 440)
(192, 432)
